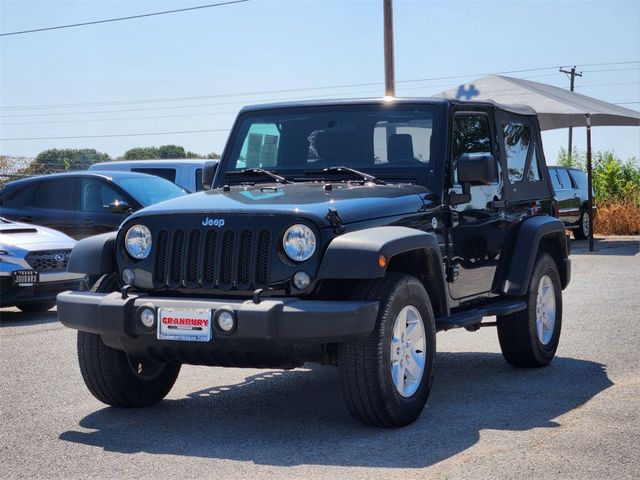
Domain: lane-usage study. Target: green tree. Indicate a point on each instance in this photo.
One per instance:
(171, 151)
(141, 153)
(59, 160)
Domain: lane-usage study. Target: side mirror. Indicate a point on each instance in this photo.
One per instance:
(476, 169)
(120, 206)
(473, 169)
(208, 173)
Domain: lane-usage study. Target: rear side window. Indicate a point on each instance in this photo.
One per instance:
(564, 178)
(554, 179)
(517, 139)
(56, 195)
(579, 178)
(166, 173)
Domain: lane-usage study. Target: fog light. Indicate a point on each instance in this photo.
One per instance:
(147, 317)
(226, 321)
(128, 276)
(301, 280)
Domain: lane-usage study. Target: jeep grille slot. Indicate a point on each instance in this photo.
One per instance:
(178, 249)
(212, 259)
(262, 262)
(244, 263)
(194, 257)
(226, 259)
(161, 256)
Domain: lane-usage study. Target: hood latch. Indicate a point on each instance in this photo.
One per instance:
(336, 222)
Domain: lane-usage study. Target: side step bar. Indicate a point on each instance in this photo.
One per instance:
(473, 317)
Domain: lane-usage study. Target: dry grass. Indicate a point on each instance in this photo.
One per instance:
(617, 219)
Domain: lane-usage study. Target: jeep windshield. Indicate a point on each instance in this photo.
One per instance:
(302, 144)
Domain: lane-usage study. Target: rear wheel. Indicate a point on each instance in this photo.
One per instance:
(529, 338)
(584, 227)
(116, 379)
(387, 376)
(35, 307)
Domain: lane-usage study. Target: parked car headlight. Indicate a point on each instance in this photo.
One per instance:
(299, 242)
(137, 241)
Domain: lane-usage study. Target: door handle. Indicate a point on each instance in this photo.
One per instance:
(26, 219)
(87, 222)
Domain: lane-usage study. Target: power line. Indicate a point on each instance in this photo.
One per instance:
(291, 90)
(115, 135)
(119, 19)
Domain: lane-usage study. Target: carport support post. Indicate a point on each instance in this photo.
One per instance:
(589, 182)
(389, 74)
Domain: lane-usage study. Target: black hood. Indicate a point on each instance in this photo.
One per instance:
(354, 202)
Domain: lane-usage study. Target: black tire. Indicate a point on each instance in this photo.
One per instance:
(368, 387)
(115, 379)
(36, 307)
(584, 228)
(518, 333)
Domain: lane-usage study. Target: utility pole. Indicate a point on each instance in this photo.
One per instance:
(389, 76)
(572, 75)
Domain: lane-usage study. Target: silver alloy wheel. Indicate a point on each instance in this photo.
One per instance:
(545, 310)
(408, 351)
(585, 224)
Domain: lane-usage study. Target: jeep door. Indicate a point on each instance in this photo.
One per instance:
(477, 227)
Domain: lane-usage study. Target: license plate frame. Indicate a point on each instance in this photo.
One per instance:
(25, 278)
(184, 324)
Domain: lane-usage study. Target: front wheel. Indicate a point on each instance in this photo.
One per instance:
(113, 377)
(387, 376)
(529, 338)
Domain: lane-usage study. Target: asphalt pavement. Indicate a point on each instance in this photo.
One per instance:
(578, 418)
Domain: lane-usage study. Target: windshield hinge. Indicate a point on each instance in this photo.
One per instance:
(336, 222)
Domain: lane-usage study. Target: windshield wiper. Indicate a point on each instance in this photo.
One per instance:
(337, 170)
(258, 171)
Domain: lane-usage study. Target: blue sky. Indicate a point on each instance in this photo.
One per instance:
(232, 55)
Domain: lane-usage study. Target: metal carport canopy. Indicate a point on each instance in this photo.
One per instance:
(555, 108)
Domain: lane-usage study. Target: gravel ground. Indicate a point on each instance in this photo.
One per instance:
(578, 418)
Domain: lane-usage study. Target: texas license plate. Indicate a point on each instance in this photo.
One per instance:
(25, 278)
(184, 324)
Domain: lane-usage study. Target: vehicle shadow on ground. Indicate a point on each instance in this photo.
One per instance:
(624, 247)
(14, 318)
(297, 417)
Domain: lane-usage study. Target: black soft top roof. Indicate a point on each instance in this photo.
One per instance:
(519, 109)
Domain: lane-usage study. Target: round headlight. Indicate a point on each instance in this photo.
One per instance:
(137, 241)
(299, 242)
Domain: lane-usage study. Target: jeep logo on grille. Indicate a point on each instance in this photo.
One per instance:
(213, 222)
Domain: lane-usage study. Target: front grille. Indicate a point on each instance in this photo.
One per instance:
(212, 259)
(49, 260)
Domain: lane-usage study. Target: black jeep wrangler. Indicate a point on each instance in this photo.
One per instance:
(346, 233)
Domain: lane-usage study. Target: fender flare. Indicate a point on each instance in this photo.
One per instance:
(355, 255)
(94, 255)
(521, 256)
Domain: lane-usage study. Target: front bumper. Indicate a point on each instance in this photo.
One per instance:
(42, 292)
(274, 321)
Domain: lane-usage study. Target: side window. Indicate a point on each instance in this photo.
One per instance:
(533, 174)
(517, 139)
(25, 197)
(471, 134)
(554, 179)
(564, 178)
(199, 186)
(96, 196)
(55, 195)
(166, 173)
(260, 147)
(579, 178)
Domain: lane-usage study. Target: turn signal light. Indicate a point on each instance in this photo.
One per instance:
(382, 261)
